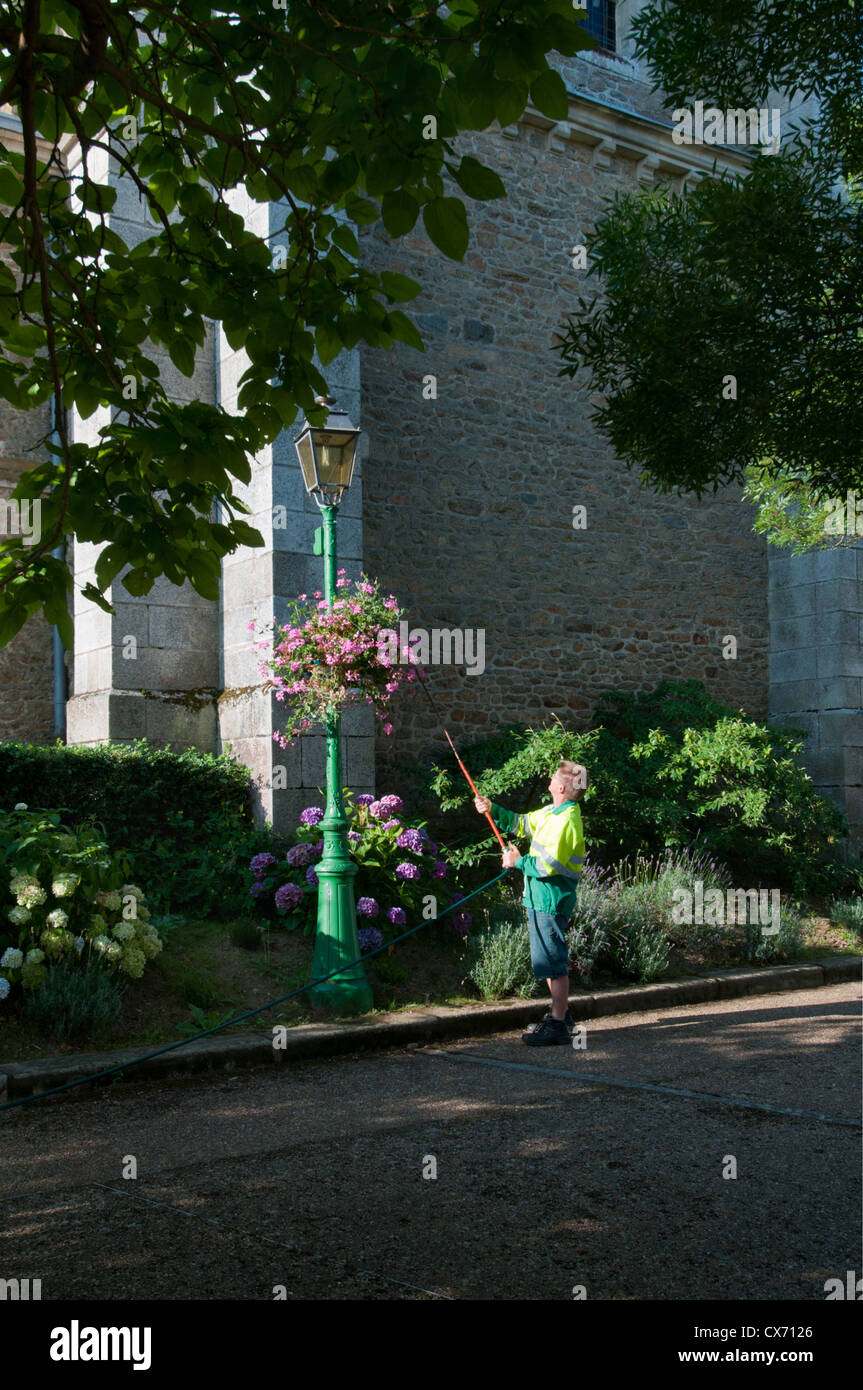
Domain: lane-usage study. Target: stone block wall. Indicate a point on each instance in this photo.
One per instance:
(816, 667)
(470, 496)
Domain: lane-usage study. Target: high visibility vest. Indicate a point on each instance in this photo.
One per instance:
(554, 861)
(556, 840)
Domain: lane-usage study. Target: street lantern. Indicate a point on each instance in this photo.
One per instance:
(327, 454)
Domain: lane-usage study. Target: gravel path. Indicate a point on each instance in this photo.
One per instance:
(311, 1177)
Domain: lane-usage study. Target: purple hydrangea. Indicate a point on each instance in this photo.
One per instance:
(313, 815)
(369, 938)
(298, 856)
(311, 878)
(439, 870)
(364, 799)
(354, 836)
(397, 916)
(375, 810)
(257, 889)
(392, 824)
(411, 839)
(260, 863)
(367, 907)
(460, 924)
(391, 805)
(407, 871)
(289, 896)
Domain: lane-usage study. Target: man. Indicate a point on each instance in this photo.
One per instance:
(551, 868)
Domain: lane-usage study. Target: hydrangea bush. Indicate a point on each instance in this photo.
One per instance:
(399, 869)
(326, 657)
(63, 899)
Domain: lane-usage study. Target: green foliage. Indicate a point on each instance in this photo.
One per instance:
(75, 1001)
(763, 949)
(390, 972)
(183, 820)
(201, 1021)
(320, 111)
(63, 901)
(758, 277)
(848, 913)
(670, 767)
(285, 891)
(197, 990)
(498, 955)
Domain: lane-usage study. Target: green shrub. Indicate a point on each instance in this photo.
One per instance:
(498, 955)
(848, 913)
(398, 868)
(669, 768)
(63, 900)
(196, 989)
(75, 1001)
(783, 945)
(185, 819)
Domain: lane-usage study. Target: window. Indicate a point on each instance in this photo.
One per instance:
(600, 23)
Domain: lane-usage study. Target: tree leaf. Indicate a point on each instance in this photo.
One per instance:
(548, 93)
(445, 221)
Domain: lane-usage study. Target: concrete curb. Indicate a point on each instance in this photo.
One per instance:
(417, 1026)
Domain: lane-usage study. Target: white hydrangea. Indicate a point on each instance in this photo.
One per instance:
(20, 916)
(124, 931)
(133, 962)
(31, 895)
(20, 806)
(79, 944)
(130, 888)
(64, 885)
(12, 959)
(109, 900)
(35, 957)
(5, 987)
(58, 918)
(111, 950)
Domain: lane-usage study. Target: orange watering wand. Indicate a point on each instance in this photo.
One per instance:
(473, 789)
(467, 775)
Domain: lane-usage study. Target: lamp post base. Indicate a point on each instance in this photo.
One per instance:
(335, 945)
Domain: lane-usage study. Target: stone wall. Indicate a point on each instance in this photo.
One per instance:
(816, 666)
(26, 663)
(469, 497)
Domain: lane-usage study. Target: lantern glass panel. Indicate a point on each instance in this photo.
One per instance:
(307, 461)
(335, 451)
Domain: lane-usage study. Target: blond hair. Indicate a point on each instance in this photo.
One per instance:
(575, 779)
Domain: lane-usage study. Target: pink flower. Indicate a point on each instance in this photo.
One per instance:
(388, 728)
(250, 626)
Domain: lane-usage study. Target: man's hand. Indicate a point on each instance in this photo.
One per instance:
(482, 804)
(509, 857)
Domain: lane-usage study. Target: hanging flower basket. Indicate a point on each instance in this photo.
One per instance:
(325, 658)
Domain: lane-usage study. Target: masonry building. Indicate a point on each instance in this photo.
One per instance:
(483, 498)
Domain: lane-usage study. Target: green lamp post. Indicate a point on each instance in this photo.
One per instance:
(327, 455)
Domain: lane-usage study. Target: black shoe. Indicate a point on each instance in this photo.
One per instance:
(568, 1020)
(551, 1032)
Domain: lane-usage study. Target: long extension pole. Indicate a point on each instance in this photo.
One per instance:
(467, 775)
